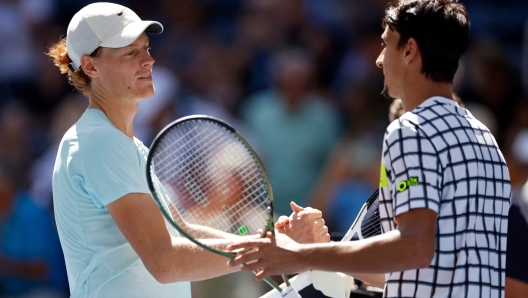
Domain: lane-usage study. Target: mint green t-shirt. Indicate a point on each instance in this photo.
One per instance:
(97, 164)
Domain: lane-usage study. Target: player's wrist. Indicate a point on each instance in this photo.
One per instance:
(309, 255)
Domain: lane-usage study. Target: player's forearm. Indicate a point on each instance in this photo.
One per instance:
(185, 261)
(384, 253)
(203, 232)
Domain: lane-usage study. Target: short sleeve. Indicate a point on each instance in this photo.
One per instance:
(414, 171)
(112, 167)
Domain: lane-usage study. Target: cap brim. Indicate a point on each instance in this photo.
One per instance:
(131, 32)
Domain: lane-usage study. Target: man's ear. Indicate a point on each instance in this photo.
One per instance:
(411, 51)
(87, 65)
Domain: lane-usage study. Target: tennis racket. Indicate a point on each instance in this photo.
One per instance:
(366, 224)
(201, 171)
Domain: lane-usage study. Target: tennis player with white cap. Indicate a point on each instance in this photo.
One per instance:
(114, 238)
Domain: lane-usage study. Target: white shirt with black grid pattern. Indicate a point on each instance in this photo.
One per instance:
(440, 157)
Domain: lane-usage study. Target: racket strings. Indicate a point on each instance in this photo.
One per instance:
(193, 163)
(211, 179)
(164, 155)
(244, 202)
(370, 226)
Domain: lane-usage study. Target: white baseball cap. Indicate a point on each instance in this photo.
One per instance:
(104, 25)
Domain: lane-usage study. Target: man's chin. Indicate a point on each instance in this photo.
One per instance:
(147, 93)
(386, 94)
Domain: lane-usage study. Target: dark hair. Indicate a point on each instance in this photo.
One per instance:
(78, 79)
(441, 29)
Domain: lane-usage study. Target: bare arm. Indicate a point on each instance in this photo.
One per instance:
(167, 258)
(411, 246)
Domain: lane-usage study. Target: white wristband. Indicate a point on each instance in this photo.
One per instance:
(332, 284)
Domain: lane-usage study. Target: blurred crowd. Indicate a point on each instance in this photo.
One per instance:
(296, 77)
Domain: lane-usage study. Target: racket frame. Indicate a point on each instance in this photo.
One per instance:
(167, 129)
(362, 213)
(269, 226)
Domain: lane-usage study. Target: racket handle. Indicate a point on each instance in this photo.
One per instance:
(298, 282)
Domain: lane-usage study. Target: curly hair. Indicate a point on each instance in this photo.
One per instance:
(440, 28)
(78, 79)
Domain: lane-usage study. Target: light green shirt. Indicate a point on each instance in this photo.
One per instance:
(97, 164)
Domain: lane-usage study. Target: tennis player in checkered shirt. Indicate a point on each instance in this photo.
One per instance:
(444, 186)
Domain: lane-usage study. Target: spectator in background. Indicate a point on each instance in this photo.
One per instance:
(492, 82)
(351, 172)
(30, 256)
(64, 117)
(516, 256)
(18, 51)
(294, 126)
(15, 152)
(212, 85)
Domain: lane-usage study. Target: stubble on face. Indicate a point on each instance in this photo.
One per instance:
(385, 93)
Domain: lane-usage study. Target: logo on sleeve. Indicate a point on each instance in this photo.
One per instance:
(383, 177)
(403, 185)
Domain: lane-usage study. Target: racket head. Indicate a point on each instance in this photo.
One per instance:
(367, 222)
(370, 224)
(200, 168)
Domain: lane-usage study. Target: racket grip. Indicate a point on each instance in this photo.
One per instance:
(298, 282)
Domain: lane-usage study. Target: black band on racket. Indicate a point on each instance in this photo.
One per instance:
(373, 197)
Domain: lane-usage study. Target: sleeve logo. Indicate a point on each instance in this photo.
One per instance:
(403, 185)
(383, 177)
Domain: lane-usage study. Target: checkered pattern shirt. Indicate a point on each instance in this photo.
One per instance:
(440, 157)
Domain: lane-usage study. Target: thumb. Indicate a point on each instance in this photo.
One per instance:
(282, 221)
(296, 208)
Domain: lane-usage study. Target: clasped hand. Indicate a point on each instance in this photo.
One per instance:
(282, 254)
(304, 225)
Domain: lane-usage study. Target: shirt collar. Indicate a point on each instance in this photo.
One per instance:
(438, 100)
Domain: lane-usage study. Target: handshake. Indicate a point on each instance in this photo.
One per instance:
(332, 284)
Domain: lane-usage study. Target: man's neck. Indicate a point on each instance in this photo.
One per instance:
(120, 112)
(424, 89)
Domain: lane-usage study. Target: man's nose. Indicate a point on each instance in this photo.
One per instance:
(379, 61)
